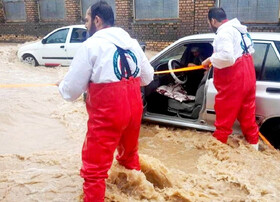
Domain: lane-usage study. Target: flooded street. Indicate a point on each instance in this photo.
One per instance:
(41, 137)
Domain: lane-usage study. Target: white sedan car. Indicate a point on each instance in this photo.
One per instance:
(56, 48)
(165, 102)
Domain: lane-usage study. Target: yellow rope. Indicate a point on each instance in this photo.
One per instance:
(184, 69)
(265, 140)
(26, 85)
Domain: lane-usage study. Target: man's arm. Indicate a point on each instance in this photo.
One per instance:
(224, 53)
(76, 80)
(147, 71)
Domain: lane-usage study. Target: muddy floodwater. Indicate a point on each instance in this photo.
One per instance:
(41, 137)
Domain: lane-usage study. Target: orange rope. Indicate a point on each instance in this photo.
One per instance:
(184, 69)
(26, 85)
(265, 140)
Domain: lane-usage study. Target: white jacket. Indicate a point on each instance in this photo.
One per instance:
(228, 44)
(97, 61)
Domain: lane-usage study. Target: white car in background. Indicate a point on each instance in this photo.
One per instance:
(56, 48)
(199, 113)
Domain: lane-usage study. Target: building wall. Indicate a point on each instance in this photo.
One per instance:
(31, 8)
(2, 20)
(156, 33)
(35, 28)
(201, 14)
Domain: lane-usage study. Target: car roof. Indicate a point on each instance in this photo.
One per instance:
(266, 36)
(263, 36)
(73, 26)
(255, 35)
(69, 26)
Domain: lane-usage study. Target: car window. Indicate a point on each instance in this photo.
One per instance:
(175, 53)
(58, 37)
(277, 44)
(271, 70)
(78, 35)
(260, 49)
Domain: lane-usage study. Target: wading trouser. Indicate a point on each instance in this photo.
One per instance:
(115, 111)
(236, 86)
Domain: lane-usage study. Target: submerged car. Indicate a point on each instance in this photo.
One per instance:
(57, 47)
(189, 102)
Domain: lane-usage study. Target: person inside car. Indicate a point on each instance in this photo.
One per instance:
(194, 77)
(111, 66)
(196, 57)
(234, 77)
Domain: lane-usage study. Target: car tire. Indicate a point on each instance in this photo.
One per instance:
(30, 59)
(271, 130)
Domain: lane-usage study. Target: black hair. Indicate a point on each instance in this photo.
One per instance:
(103, 10)
(217, 13)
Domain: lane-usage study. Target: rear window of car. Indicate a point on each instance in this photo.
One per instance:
(259, 57)
(271, 70)
(78, 35)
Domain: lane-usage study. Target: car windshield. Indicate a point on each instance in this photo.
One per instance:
(175, 53)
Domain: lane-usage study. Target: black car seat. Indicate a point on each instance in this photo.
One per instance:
(190, 109)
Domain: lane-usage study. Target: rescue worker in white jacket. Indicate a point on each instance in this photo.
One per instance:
(111, 66)
(234, 77)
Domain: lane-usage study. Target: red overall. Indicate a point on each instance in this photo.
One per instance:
(115, 111)
(236, 86)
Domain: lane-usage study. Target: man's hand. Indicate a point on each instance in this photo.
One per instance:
(206, 63)
(191, 65)
(57, 83)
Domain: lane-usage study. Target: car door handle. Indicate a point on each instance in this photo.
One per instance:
(210, 111)
(62, 46)
(273, 90)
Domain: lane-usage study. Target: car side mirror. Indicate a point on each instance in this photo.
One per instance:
(44, 41)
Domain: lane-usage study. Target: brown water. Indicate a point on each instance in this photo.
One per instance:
(41, 137)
